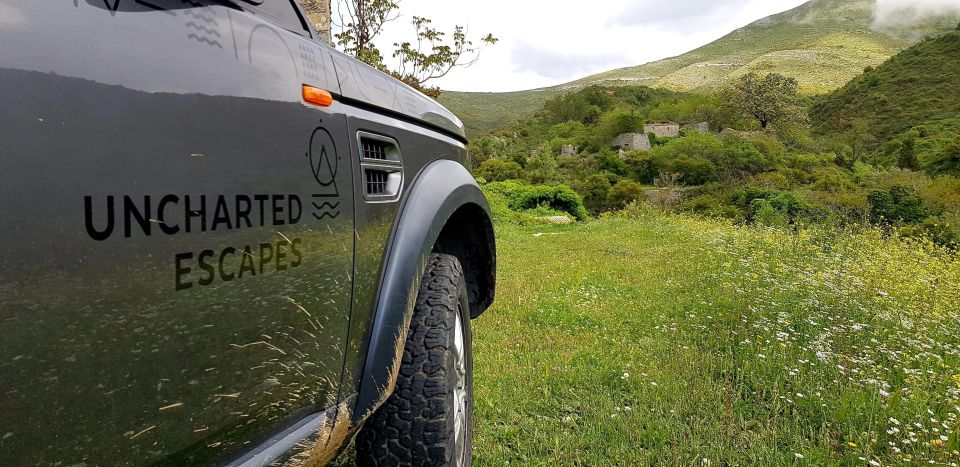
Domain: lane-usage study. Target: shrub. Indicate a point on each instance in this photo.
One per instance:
(495, 170)
(768, 206)
(896, 205)
(693, 171)
(624, 193)
(595, 191)
(524, 197)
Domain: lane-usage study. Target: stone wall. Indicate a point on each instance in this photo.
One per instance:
(663, 130)
(320, 15)
(633, 142)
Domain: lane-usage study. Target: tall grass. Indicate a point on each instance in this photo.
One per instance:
(651, 338)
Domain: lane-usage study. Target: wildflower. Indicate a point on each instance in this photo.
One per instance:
(885, 394)
(798, 455)
(936, 443)
(851, 444)
(894, 421)
(625, 375)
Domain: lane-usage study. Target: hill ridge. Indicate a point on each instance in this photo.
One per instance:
(822, 43)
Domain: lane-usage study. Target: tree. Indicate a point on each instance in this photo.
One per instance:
(908, 156)
(624, 193)
(430, 55)
(768, 100)
(495, 170)
(595, 191)
(854, 144)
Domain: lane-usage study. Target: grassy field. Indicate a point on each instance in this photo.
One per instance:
(649, 338)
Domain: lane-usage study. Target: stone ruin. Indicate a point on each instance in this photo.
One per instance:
(663, 130)
(633, 142)
(568, 150)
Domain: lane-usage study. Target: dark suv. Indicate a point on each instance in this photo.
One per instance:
(224, 242)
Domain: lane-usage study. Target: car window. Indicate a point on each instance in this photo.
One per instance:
(284, 13)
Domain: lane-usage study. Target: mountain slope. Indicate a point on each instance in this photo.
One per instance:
(822, 43)
(917, 87)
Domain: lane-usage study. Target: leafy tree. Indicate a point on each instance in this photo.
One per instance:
(898, 204)
(584, 106)
(692, 171)
(595, 191)
(542, 167)
(624, 193)
(908, 155)
(495, 170)
(430, 55)
(615, 123)
(768, 100)
(854, 144)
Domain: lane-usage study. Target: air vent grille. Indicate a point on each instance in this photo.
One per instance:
(377, 182)
(374, 149)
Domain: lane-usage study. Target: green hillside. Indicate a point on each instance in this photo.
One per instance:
(913, 96)
(823, 44)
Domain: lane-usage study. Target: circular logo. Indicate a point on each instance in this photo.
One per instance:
(323, 157)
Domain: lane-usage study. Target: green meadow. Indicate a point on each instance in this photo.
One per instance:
(645, 337)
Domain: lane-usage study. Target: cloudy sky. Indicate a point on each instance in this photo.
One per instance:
(547, 42)
(544, 42)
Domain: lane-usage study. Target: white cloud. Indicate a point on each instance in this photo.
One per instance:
(548, 42)
(893, 13)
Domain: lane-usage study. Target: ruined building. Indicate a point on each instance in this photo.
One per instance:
(663, 130)
(633, 142)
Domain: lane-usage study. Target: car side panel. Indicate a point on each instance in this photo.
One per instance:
(163, 339)
(376, 221)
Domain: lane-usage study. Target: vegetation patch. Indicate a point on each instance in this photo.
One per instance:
(666, 339)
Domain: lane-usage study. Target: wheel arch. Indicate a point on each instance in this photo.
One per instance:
(444, 212)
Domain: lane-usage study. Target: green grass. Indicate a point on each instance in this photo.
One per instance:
(822, 43)
(652, 338)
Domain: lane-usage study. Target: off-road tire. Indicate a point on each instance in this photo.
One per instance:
(415, 426)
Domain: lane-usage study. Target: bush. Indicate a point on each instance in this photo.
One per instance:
(694, 171)
(899, 204)
(523, 197)
(596, 191)
(495, 170)
(770, 207)
(624, 193)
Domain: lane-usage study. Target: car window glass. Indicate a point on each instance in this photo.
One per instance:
(282, 12)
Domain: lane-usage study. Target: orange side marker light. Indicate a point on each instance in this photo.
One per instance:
(317, 96)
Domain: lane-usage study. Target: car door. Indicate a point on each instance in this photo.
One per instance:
(176, 252)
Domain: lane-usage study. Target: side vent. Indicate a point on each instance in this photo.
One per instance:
(373, 149)
(377, 182)
(382, 167)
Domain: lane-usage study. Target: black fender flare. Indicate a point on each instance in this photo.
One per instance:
(441, 189)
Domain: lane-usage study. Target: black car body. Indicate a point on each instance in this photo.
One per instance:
(197, 266)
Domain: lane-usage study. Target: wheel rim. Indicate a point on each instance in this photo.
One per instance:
(459, 393)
